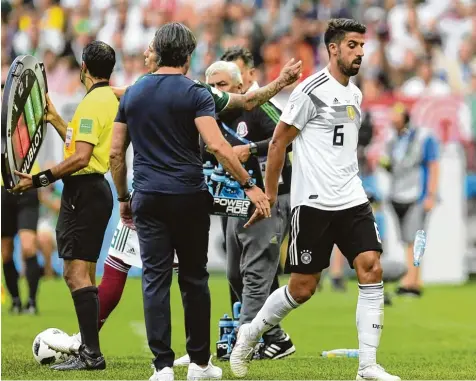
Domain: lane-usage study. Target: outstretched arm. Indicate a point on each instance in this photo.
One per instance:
(290, 73)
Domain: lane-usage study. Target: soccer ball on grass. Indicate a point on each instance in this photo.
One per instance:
(42, 353)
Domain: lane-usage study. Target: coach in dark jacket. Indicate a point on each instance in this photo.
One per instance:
(163, 115)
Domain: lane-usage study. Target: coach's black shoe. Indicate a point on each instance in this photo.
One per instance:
(387, 299)
(403, 291)
(338, 284)
(31, 308)
(275, 350)
(16, 308)
(84, 361)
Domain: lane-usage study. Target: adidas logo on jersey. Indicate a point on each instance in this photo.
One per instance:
(336, 101)
(131, 251)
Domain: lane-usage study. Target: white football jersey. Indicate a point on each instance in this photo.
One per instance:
(325, 167)
(125, 246)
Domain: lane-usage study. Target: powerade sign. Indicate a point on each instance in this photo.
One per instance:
(231, 207)
(229, 197)
(23, 126)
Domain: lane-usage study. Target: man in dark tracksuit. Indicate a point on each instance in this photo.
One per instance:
(253, 253)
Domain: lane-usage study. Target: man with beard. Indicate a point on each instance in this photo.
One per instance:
(329, 204)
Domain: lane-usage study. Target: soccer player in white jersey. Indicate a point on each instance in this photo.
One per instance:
(329, 205)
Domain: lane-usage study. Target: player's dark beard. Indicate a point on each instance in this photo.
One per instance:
(348, 70)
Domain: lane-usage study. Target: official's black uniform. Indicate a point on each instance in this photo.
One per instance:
(86, 201)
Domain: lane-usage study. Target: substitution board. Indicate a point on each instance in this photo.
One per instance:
(23, 126)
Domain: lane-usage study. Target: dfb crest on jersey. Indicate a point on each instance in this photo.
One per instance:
(242, 129)
(23, 127)
(351, 112)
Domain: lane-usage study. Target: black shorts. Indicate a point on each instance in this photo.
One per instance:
(314, 232)
(19, 212)
(86, 207)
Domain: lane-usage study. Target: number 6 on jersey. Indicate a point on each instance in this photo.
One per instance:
(338, 135)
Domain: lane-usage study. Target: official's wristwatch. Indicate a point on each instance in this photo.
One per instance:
(125, 198)
(253, 148)
(249, 183)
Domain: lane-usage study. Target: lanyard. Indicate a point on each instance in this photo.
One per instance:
(230, 131)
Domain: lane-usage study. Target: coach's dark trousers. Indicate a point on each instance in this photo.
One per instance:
(166, 223)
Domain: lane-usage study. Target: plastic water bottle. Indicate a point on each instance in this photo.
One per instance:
(207, 171)
(250, 172)
(236, 310)
(225, 326)
(218, 180)
(210, 187)
(349, 353)
(232, 189)
(419, 247)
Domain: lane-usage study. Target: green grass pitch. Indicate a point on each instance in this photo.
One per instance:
(430, 338)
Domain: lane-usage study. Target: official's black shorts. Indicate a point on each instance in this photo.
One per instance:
(19, 212)
(314, 233)
(86, 207)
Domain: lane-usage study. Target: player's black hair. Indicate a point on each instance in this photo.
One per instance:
(238, 52)
(337, 29)
(99, 59)
(174, 43)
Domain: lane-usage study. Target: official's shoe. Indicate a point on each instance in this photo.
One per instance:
(338, 284)
(276, 350)
(84, 361)
(403, 291)
(64, 344)
(31, 308)
(211, 372)
(243, 351)
(387, 299)
(16, 308)
(182, 361)
(375, 372)
(165, 374)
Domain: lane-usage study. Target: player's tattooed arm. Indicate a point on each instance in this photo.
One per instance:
(290, 73)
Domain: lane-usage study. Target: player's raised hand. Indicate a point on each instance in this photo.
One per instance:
(291, 72)
(125, 212)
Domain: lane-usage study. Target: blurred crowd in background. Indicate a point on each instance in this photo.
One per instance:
(414, 49)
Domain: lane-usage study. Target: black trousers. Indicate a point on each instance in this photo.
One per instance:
(166, 223)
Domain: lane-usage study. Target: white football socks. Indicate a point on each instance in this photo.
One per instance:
(275, 309)
(369, 317)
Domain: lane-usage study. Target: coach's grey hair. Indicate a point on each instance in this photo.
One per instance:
(228, 67)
